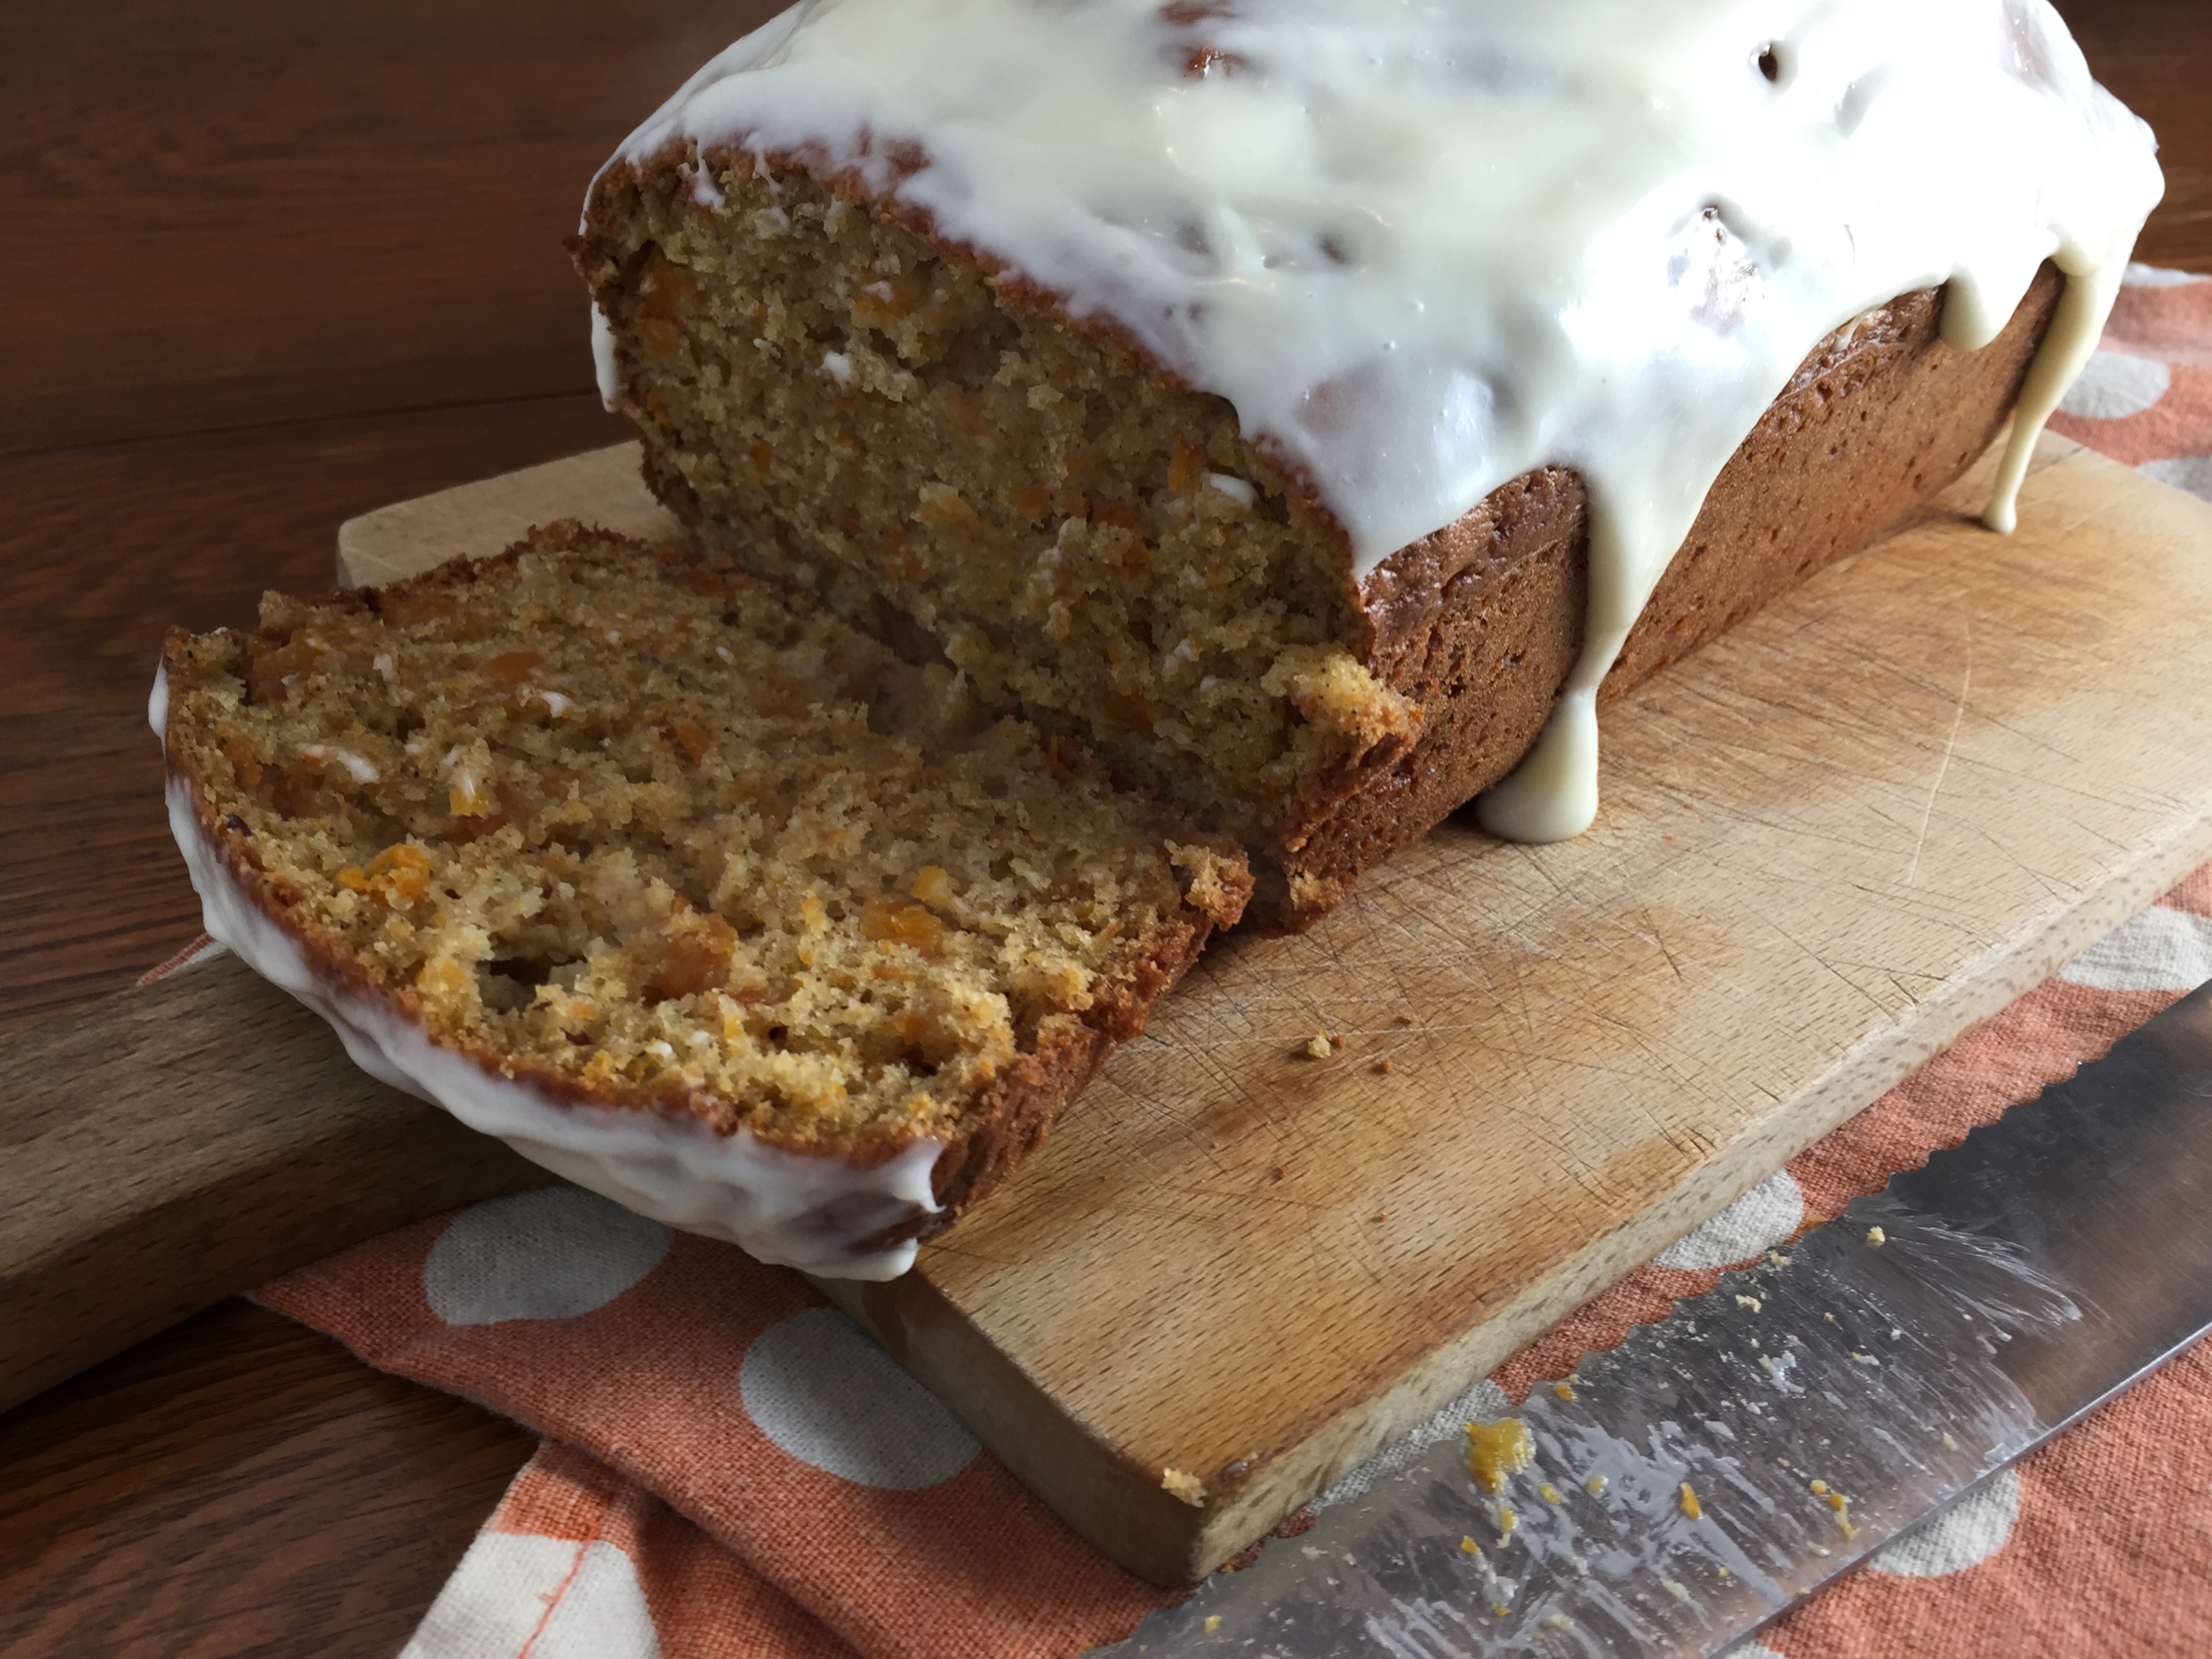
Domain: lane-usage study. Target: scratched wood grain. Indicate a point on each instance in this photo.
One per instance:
(1832, 840)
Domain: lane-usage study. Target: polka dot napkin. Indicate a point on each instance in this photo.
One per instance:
(732, 1467)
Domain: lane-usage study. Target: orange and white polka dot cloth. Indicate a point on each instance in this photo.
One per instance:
(732, 1467)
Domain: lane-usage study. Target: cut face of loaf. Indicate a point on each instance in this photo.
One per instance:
(831, 395)
(828, 397)
(591, 838)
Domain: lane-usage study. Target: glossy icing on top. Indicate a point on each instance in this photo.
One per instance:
(1423, 247)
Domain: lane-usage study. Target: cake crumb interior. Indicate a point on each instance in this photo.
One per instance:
(829, 401)
(667, 834)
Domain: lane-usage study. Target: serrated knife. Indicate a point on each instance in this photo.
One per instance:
(1722, 1466)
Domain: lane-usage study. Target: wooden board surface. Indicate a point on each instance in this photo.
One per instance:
(601, 486)
(186, 1141)
(1831, 842)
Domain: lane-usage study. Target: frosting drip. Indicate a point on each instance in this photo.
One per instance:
(1423, 248)
(603, 367)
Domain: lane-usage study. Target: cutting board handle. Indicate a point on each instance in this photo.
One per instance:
(171, 1146)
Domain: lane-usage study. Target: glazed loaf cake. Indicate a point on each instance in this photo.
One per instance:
(1198, 381)
(670, 878)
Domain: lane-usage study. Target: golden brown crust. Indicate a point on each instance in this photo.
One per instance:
(998, 1127)
(1013, 1118)
(1480, 622)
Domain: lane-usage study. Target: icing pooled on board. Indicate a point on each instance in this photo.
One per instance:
(1423, 248)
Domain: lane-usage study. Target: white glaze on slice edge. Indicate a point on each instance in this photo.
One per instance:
(815, 1213)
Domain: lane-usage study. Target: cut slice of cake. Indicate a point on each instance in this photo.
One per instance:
(687, 889)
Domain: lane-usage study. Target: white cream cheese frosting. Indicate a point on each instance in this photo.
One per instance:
(1424, 247)
(815, 1213)
(604, 366)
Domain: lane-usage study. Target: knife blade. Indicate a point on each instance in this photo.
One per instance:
(1725, 1464)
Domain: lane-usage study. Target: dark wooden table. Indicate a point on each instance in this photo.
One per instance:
(277, 264)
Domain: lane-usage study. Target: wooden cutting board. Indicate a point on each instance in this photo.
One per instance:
(1864, 820)
(1831, 842)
